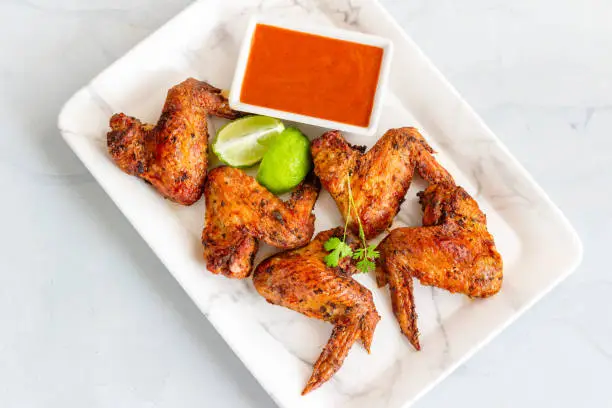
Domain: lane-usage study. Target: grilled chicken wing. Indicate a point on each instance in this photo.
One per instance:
(379, 178)
(300, 280)
(239, 211)
(172, 155)
(453, 251)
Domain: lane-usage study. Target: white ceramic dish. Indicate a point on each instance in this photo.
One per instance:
(325, 31)
(277, 345)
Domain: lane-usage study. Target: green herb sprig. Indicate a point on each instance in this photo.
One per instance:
(339, 249)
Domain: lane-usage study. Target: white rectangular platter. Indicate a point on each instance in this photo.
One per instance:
(277, 345)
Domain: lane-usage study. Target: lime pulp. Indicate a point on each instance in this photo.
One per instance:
(243, 142)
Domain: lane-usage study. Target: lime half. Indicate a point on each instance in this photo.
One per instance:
(243, 142)
(286, 162)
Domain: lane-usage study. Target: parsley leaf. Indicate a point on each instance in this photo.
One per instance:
(366, 257)
(332, 258)
(372, 253)
(365, 265)
(345, 250)
(332, 244)
(338, 248)
(359, 254)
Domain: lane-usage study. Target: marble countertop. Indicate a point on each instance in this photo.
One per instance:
(90, 318)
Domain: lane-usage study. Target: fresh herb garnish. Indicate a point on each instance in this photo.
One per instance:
(339, 249)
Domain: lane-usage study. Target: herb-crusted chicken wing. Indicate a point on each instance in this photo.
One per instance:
(379, 178)
(172, 155)
(453, 250)
(300, 280)
(239, 211)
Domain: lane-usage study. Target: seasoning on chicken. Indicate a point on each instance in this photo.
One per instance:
(300, 280)
(172, 155)
(239, 211)
(379, 178)
(453, 250)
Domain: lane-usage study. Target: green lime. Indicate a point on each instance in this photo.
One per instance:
(244, 141)
(286, 162)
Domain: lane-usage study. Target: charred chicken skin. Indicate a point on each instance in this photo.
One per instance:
(300, 280)
(379, 178)
(172, 155)
(240, 211)
(453, 250)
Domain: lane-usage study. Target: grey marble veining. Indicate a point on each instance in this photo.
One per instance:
(77, 307)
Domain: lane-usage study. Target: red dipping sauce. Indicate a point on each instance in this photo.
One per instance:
(311, 75)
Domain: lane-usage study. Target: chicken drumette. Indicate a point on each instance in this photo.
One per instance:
(239, 211)
(300, 280)
(379, 178)
(453, 250)
(172, 155)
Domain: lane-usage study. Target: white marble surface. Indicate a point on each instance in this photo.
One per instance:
(91, 318)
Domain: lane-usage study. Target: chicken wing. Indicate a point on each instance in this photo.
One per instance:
(379, 178)
(172, 155)
(300, 280)
(453, 250)
(239, 211)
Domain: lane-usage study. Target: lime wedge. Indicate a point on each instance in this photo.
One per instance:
(243, 142)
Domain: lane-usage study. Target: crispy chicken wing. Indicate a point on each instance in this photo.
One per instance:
(379, 178)
(172, 155)
(453, 251)
(239, 211)
(300, 280)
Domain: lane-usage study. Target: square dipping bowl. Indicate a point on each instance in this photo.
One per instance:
(236, 91)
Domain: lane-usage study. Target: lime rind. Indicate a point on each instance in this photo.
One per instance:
(286, 162)
(243, 142)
